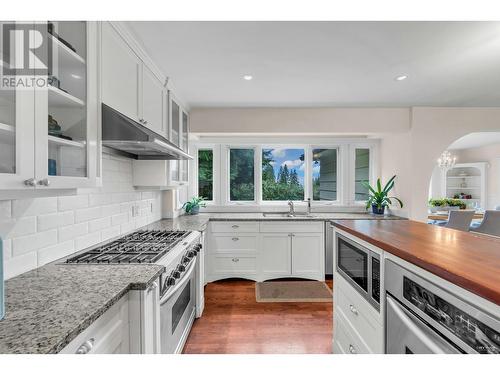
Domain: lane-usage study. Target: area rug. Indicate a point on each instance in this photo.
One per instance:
(292, 291)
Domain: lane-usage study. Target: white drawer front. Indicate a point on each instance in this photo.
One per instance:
(107, 335)
(235, 227)
(364, 324)
(291, 227)
(345, 340)
(222, 243)
(234, 265)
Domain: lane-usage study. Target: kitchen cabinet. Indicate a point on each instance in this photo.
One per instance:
(266, 250)
(109, 334)
(121, 69)
(276, 255)
(129, 85)
(145, 320)
(49, 135)
(179, 134)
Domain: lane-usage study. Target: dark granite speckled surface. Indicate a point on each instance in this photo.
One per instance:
(48, 307)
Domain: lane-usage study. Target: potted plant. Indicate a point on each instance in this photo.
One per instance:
(446, 204)
(379, 199)
(192, 207)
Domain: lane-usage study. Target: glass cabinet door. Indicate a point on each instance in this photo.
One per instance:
(184, 146)
(16, 112)
(175, 123)
(66, 122)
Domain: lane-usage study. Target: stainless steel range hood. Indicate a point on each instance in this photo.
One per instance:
(134, 140)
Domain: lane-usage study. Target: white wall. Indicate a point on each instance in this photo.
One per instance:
(300, 120)
(40, 230)
(491, 155)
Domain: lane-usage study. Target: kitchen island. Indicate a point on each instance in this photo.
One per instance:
(401, 277)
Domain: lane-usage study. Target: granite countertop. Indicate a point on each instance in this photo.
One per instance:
(48, 307)
(200, 221)
(471, 261)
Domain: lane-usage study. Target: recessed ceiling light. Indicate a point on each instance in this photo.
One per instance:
(76, 76)
(401, 77)
(247, 77)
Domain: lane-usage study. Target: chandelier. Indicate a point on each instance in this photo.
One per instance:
(446, 160)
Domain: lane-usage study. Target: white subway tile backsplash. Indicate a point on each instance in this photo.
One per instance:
(35, 206)
(87, 240)
(18, 227)
(72, 231)
(19, 264)
(5, 209)
(72, 202)
(51, 221)
(109, 233)
(51, 253)
(26, 244)
(40, 230)
(86, 214)
(7, 249)
(99, 224)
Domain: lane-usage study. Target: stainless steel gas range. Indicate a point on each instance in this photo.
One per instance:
(181, 285)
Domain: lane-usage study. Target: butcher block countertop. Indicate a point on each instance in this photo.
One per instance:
(471, 261)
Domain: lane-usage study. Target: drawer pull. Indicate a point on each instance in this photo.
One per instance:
(86, 347)
(353, 309)
(235, 260)
(352, 349)
(235, 239)
(235, 226)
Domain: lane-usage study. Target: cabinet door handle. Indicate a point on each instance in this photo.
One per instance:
(235, 260)
(235, 226)
(235, 239)
(44, 182)
(30, 182)
(86, 347)
(353, 309)
(352, 349)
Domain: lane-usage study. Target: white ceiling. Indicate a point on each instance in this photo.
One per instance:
(476, 140)
(328, 63)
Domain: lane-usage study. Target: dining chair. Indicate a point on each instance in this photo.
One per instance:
(490, 224)
(460, 220)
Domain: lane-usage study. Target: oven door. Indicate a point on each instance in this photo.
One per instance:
(407, 334)
(177, 309)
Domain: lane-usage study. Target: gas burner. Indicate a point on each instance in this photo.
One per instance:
(143, 246)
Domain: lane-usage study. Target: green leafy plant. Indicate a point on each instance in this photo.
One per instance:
(380, 197)
(447, 202)
(194, 204)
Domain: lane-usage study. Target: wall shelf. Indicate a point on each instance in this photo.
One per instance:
(57, 141)
(59, 98)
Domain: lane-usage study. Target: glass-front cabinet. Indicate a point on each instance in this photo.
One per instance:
(49, 132)
(179, 134)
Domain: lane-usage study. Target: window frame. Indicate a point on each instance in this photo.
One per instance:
(372, 169)
(226, 172)
(340, 174)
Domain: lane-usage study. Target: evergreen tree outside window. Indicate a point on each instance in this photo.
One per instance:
(282, 174)
(205, 174)
(241, 174)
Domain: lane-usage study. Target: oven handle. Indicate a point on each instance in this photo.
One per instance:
(183, 282)
(414, 328)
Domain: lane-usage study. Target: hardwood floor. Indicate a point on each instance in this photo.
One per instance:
(233, 322)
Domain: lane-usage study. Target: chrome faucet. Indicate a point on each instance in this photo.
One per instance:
(292, 208)
(308, 206)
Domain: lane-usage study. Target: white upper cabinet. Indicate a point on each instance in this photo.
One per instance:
(49, 134)
(121, 69)
(152, 101)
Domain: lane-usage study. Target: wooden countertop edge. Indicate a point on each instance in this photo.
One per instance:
(482, 291)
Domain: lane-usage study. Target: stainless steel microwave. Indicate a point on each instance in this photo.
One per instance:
(360, 267)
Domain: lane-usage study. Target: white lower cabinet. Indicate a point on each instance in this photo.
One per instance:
(107, 335)
(131, 325)
(266, 250)
(276, 250)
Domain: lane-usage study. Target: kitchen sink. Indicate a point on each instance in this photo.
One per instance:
(286, 214)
